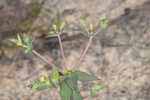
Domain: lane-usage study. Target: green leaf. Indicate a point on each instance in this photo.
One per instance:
(41, 84)
(92, 91)
(48, 82)
(72, 81)
(65, 91)
(76, 95)
(83, 20)
(67, 72)
(62, 78)
(27, 51)
(104, 22)
(32, 84)
(55, 76)
(82, 76)
(25, 36)
(85, 32)
(17, 41)
(96, 87)
(27, 41)
(62, 24)
(13, 40)
(91, 33)
(52, 34)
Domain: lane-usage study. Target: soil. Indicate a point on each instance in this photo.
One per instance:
(119, 54)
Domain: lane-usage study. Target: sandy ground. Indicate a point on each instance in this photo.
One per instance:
(119, 55)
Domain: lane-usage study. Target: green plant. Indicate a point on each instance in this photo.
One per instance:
(66, 80)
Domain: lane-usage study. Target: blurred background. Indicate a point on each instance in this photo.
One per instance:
(119, 55)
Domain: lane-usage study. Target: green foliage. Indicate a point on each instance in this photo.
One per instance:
(61, 24)
(95, 87)
(85, 32)
(25, 43)
(82, 76)
(18, 41)
(65, 91)
(57, 28)
(41, 83)
(104, 22)
(77, 95)
(55, 77)
(67, 72)
(88, 31)
(72, 81)
(83, 20)
(28, 43)
(68, 83)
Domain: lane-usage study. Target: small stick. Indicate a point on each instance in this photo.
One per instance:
(47, 61)
(85, 50)
(61, 49)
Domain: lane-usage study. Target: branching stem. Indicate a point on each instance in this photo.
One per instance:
(47, 61)
(84, 51)
(61, 49)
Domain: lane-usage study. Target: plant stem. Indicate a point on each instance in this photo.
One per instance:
(47, 61)
(87, 47)
(61, 49)
(85, 51)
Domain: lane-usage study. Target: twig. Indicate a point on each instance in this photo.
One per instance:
(85, 50)
(47, 61)
(61, 49)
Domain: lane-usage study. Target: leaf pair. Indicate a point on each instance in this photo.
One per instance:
(25, 43)
(55, 77)
(82, 76)
(67, 93)
(28, 42)
(46, 82)
(69, 87)
(41, 83)
(18, 41)
(95, 87)
(89, 30)
(56, 29)
(78, 76)
(104, 22)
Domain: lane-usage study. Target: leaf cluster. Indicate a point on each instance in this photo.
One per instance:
(88, 29)
(68, 83)
(57, 28)
(25, 43)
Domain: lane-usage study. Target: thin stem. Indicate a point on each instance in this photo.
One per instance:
(85, 50)
(61, 49)
(47, 61)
